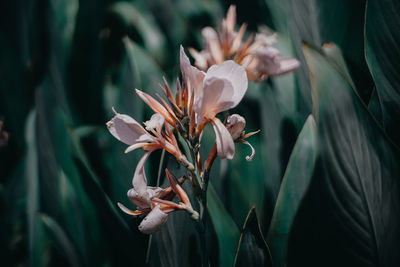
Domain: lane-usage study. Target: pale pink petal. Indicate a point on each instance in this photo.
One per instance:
(139, 194)
(216, 97)
(200, 58)
(280, 66)
(235, 125)
(211, 38)
(140, 200)
(268, 53)
(139, 180)
(135, 146)
(156, 122)
(194, 75)
(153, 221)
(223, 139)
(266, 39)
(231, 18)
(287, 65)
(127, 130)
(224, 87)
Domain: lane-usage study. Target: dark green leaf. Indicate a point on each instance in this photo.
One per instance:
(351, 212)
(225, 227)
(177, 243)
(61, 240)
(35, 230)
(317, 22)
(252, 249)
(294, 184)
(375, 107)
(382, 35)
(143, 23)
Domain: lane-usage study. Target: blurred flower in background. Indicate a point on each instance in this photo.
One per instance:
(256, 54)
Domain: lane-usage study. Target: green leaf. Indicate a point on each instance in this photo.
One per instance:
(177, 243)
(144, 24)
(252, 249)
(35, 230)
(61, 240)
(351, 212)
(317, 22)
(225, 227)
(382, 35)
(294, 185)
(375, 107)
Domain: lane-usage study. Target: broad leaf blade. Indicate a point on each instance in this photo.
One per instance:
(382, 35)
(35, 230)
(351, 212)
(61, 240)
(225, 227)
(294, 185)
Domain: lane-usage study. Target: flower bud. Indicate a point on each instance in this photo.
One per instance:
(235, 125)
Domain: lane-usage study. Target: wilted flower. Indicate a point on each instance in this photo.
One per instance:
(260, 59)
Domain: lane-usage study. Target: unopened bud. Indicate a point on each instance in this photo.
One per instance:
(235, 125)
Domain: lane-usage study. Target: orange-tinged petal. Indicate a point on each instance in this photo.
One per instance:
(177, 188)
(129, 211)
(155, 106)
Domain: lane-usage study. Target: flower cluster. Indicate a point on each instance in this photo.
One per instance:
(257, 55)
(198, 100)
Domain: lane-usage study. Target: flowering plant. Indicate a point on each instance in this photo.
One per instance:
(198, 100)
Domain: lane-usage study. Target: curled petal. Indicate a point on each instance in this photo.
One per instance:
(156, 122)
(235, 125)
(225, 145)
(146, 146)
(253, 152)
(129, 211)
(153, 221)
(127, 130)
(192, 74)
(139, 180)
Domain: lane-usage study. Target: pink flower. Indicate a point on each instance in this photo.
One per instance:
(154, 202)
(130, 132)
(220, 89)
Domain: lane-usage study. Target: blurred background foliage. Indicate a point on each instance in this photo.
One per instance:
(65, 63)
